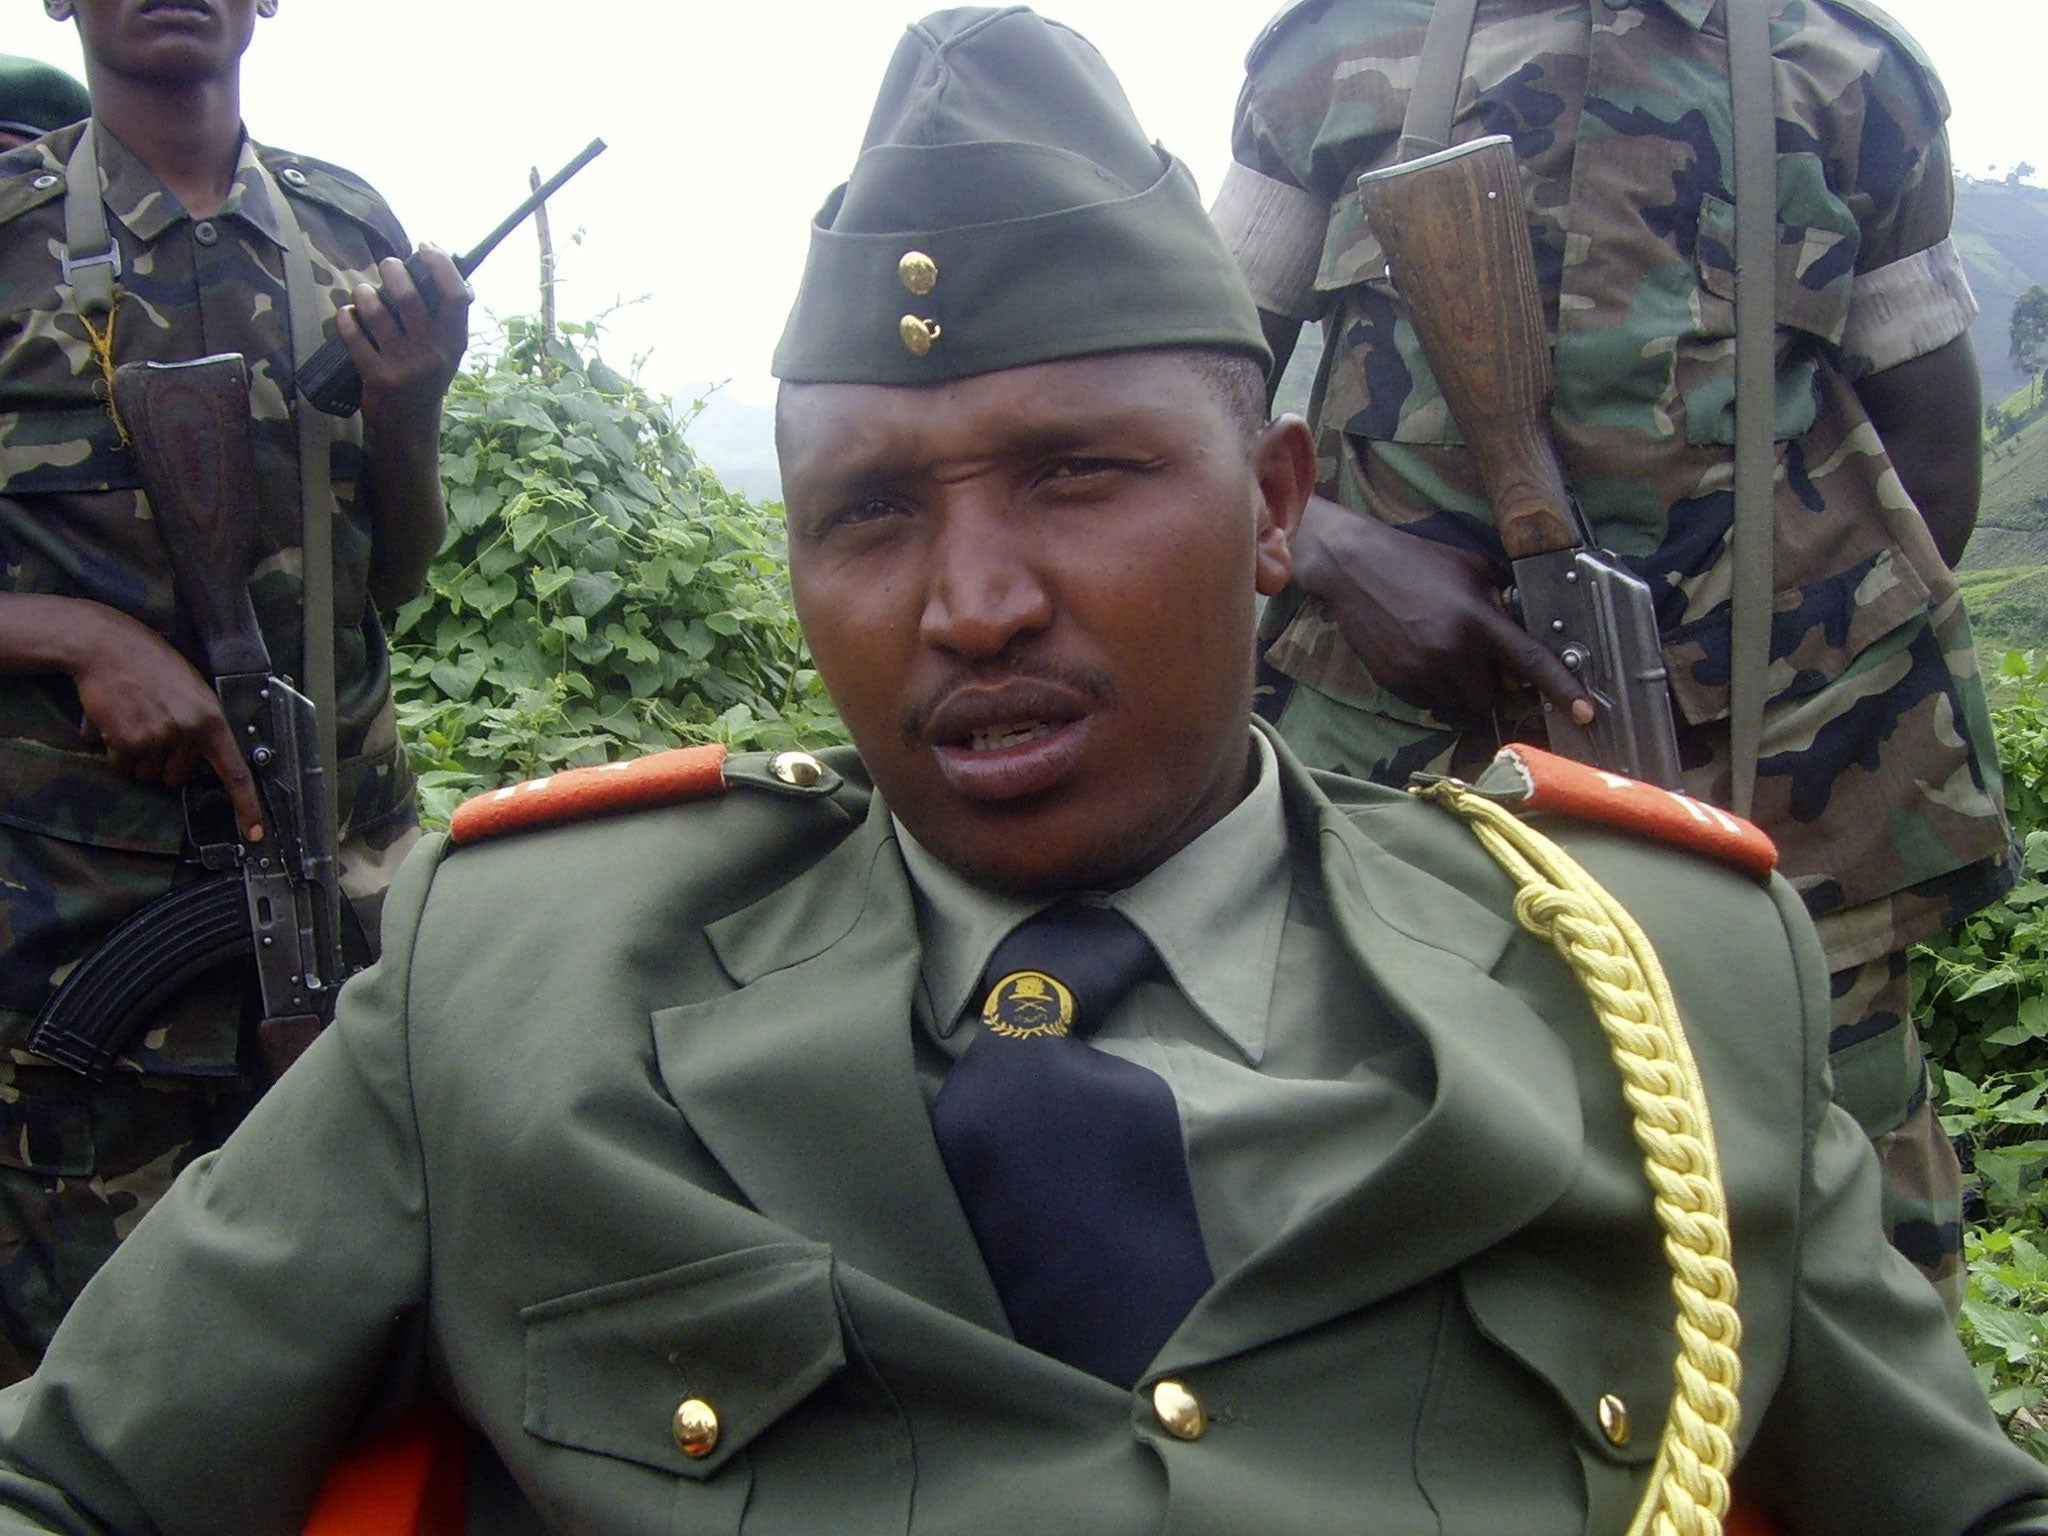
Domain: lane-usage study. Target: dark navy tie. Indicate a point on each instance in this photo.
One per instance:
(1068, 1160)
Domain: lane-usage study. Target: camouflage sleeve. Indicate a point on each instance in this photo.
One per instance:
(1275, 231)
(1274, 206)
(1901, 186)
(1914, 306)
(1910, 295)
(211, 1371)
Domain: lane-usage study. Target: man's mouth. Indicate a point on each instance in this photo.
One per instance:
(995, 738)
(1008, 739)
(1012, 759)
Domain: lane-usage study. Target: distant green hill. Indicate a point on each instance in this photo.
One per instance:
(2001, 230)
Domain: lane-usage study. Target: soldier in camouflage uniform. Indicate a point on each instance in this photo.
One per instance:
(1878, 774)
(103, 717)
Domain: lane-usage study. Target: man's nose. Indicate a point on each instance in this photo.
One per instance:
(985, 588)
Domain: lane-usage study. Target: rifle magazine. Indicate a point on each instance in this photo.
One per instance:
(90, 1018)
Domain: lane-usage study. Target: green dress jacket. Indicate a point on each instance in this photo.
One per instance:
(627, 1116)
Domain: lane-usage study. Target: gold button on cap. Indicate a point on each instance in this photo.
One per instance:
(919, 272)
(1614, 1420)
(799, 770)
(1179, 1411)
(696, 1428)
(918, 335)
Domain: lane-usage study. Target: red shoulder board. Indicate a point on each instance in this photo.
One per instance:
(661, 778)
(1531, 779)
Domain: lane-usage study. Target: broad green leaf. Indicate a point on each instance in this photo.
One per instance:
(458, 678)
(544, 584)
(589, 592)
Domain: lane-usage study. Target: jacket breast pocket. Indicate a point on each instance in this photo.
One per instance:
(1814, 279)
(1555, 1380)
(1817, 633)
(748, 1335)
(731, 1375)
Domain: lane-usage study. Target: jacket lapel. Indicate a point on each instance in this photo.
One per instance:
(802, 1082)
(1499, 1143)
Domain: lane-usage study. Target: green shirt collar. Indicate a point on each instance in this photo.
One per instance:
(1214, 911)
(136, 197)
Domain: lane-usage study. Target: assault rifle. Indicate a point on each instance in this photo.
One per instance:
(278, 900)
(1457, 246)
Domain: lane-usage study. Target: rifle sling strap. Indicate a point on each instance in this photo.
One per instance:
(1754, 105)
(92, 279)
(317, 507)
(92, 275)
(1433, 100)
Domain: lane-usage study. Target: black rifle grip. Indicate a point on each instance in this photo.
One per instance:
(328, 381)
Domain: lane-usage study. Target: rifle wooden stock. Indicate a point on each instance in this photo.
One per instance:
(190, 426)
(1457, 244)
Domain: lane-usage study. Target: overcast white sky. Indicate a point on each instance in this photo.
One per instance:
(728, 123)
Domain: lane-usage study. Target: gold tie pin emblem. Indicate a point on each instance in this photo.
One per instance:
(1027, 1004)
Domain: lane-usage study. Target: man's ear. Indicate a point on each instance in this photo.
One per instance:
(57, 10)
(1284, 460)
(266, 8)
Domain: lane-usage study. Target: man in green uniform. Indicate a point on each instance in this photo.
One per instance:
(34, 98)
(1067, 1112)
(217, 244)
(1878, 775)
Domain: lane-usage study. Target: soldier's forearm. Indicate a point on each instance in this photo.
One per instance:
(409, 518)
(42, 632)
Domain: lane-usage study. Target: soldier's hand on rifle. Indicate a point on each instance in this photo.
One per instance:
(1428, 619)
(157, 718)
(406, 350)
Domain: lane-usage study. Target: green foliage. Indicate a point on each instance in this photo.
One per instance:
(1979, 986)
(600, 594)
(1981, 993)
(2005, 1330)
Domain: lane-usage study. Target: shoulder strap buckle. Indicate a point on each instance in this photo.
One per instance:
(110, 257)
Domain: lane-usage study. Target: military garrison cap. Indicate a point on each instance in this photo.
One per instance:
(36, 97)
(1006, 208)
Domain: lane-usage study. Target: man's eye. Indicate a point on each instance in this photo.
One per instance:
(867, 509)
(1081, 474)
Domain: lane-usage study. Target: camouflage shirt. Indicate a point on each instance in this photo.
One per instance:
(82, 846)
(1879, 777)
